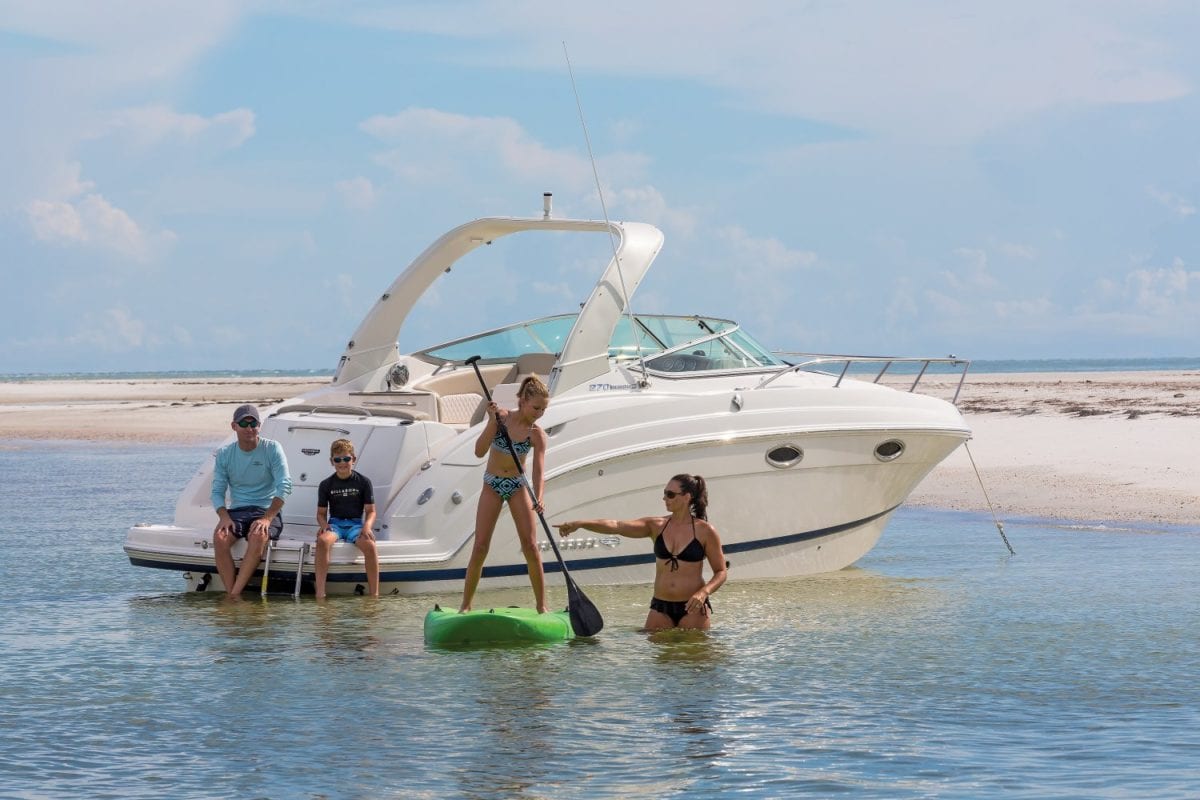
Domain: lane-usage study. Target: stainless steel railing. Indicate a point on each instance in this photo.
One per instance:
(813, 360)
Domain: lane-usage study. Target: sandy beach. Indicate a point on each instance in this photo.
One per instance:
(1082, 446)
(188, 411)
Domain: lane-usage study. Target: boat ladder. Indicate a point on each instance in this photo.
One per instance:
(300, 548)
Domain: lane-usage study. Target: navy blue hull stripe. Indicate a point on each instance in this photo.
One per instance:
(551, 566)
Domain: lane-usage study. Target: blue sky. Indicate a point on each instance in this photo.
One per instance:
(228, 185)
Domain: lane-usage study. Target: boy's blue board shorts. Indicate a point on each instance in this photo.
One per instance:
(347, 530)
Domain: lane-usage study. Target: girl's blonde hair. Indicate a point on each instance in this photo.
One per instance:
(532, 387)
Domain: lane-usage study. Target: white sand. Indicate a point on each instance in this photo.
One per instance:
(185, 410)
(1094, 446)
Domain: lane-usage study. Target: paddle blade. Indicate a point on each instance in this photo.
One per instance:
(585, 617)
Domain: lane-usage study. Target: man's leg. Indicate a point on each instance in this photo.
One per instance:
(223, 555)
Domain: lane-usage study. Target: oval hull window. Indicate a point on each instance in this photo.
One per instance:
(784, 456)
(889, 450)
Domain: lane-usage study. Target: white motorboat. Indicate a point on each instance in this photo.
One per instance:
(805, 465)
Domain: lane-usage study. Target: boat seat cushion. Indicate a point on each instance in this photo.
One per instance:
(458, 409)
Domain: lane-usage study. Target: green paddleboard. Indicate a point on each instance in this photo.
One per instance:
(496, 626)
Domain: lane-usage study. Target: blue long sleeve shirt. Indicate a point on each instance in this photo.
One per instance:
(252, 478)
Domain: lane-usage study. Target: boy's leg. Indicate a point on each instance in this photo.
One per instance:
(371, 563)
(325, 542)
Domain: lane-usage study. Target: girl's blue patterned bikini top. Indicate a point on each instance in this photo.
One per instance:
(521, 448)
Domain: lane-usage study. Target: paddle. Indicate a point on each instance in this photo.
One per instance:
(585, 617)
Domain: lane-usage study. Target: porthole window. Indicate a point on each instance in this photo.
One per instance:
(785, 455)
(889, 450)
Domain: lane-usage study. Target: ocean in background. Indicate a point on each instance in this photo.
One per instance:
(938, 667)
(982, 366)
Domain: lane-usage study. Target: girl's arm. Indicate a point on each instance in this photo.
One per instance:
(631, 528)
(489, 431)
(537, 470)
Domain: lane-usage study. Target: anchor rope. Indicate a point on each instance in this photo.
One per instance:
(978, 477)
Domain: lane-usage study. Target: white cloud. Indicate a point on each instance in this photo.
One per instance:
(974, 275)
(1166, 292)
(93, 220)
(945, 305)
(130, 43)
(758, 254)
(1023, 311)
(358, 193)
(149, 125)
(891, 61)
(56, 221)
(1023, 252)
(1172, 202)
(647, 203)
(464, 141)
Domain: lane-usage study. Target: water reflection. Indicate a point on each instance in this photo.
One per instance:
(346, 629)
(694, 671)
(515, 696)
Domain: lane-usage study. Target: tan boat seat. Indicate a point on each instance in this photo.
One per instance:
(459, 409)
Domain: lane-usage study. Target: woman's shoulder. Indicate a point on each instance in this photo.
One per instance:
(657, 523)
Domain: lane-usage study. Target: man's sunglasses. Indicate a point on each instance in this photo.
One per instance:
(248, 422)
(342, 459)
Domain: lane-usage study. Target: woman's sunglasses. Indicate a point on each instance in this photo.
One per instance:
(667, 493)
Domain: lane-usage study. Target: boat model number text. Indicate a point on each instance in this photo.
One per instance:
(586, 543)
(612, 387)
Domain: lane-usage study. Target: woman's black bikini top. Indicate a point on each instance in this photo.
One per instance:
(694, 551)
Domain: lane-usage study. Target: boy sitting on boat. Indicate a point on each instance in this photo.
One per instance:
(346, 513)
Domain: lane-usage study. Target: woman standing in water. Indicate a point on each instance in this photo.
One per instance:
(683, 541)
(503, 483)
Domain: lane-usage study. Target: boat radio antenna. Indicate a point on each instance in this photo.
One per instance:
(612, 240)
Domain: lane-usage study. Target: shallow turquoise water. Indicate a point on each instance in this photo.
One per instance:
(939, 667)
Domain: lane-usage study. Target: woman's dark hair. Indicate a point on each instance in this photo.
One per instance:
(694, 485)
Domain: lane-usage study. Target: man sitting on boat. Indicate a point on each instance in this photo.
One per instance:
(254, 473)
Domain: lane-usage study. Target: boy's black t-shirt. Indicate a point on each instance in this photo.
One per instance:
(345, 498)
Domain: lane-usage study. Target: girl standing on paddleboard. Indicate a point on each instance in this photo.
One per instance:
(683, 541)
(503, 483)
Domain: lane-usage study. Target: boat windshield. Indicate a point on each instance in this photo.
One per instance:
(545, 335)
(669, 343)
